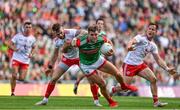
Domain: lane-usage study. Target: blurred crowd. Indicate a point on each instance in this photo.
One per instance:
(123, 20)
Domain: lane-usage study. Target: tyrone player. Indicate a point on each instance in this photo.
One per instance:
(133, 65)
(23, 45)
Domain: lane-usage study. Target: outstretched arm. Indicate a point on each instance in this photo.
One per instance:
(163, 65)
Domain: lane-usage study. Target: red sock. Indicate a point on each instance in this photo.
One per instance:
(114, 90)
(12, 90)
(123, 85)
(49, 90)
(155, 98)
(110, 100)
(94, 90)
(77, 82)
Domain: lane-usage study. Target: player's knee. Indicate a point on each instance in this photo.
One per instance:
(14, 76)
(102, 85)
(153, 80)
(54, 80)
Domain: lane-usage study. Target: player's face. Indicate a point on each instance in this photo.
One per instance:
(60, 34)
(93, 36)
(151, 31)
(100, 24)
(28, 28)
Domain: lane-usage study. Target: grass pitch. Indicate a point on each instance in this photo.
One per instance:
(83, 103)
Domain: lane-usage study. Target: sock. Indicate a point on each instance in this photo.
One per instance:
(110, 100)
(94, 90)
(114, 90)
(123, 85)
(155, 98)
(12, 90)
(77, 82)
(49, 90)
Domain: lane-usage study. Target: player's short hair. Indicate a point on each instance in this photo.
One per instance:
(153, 24)
(100, 19)
(27, 22)
(56, 27)
(92, 28)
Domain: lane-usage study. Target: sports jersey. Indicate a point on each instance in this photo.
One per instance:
(24, 45)
(142, 48)
(102, 33)
(89, 52)
(69, 35)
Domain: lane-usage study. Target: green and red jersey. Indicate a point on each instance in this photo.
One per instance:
(89, 52)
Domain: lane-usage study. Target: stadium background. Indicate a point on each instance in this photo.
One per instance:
(123, 20)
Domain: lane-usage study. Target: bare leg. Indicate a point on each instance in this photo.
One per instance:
(99, 81)
(111, 69)
(13, 79)
(149, 75)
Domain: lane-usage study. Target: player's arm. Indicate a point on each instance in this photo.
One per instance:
(111, 52)
(80, 33)
(66, 46)
(131, 44)
(162, 64)
(33, 51)
(54, 58)
(11, 45)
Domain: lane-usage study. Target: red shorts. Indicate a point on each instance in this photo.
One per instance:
(70, 62)
(132, 70)
(21, 65)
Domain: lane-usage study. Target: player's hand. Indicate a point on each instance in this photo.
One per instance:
(48, 71)
(132, 48)
(6, 43)
(67, 43)
(30, 55)
(110, 53)
(171, 71)
(74, 41)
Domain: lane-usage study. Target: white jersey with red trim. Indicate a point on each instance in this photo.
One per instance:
(24, 45)
(69, 35)
(142, 48)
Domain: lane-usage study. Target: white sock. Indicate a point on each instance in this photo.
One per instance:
(45, 99)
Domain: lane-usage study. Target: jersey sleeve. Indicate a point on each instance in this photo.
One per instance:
(76, 42)
(72, 31)
(138, 38)
(154, 49)
(57, 43)
(14, 39)
(104, 39)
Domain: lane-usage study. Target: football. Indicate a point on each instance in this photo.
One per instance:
(105, 48)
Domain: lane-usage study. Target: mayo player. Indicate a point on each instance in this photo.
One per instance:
(23, 45)
(133, 65)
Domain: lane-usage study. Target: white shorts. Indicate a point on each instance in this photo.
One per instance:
(91, 69)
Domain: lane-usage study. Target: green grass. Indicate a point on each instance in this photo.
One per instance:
(84, 103)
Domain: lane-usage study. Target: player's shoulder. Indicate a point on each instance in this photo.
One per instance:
(153, 44)
(68, 31)
(140, 35)
(18, 35)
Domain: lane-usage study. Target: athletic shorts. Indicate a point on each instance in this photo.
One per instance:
(65, 63)
(19, 64)
(88, 70)
(132, 70)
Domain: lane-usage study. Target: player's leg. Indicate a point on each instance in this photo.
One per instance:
(94, 78)
(149, 75)
(57, 73)
(23, 71)
(109, 68)
(79, 78)
(94, 90)
(15, 70)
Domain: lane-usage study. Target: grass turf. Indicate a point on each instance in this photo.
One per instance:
(83, 103)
